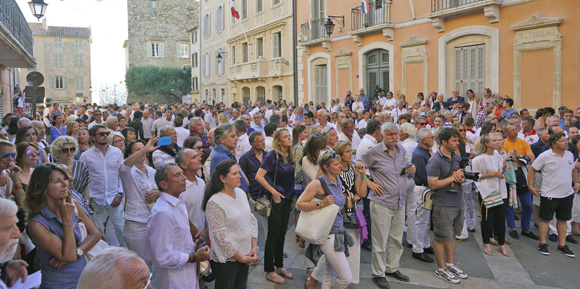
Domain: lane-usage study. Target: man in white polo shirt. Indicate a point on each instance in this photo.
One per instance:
(557, 193)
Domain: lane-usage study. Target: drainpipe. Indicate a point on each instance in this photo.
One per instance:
(295, 53)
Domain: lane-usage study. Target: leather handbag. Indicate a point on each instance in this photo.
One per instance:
(314, 226)
(349, 219)
(427, 198)
(263, 205)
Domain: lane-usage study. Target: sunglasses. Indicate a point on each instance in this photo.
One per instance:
(32, 153)
(106, 133)
(68, 150)
(8, 155)
(461, 130)
(316, 135)
(422, 123)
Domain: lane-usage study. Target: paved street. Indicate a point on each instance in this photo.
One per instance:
(526, 268)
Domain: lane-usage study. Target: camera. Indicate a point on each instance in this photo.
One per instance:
(468, 175)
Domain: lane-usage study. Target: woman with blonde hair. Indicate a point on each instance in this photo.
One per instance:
(223, 118)
(117, 140)
(84, 142)
(72, 129)
(54, 227)
(276, 175)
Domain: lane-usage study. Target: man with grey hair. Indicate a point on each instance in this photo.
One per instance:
(348, 133)
(196, 127)
(9, 236)
(421, 239)
(189, 160)
(257, 122)
(243, 144)
(322, 115)
(275, 119)
(166, 154)
(226, 141)
(389, 169)
(172, 245)
(112, 124)
(116, 268)
(22, 122)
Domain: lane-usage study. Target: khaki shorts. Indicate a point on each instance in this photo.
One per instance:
(447, 222)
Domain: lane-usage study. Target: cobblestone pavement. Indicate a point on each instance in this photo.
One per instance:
(526, 268)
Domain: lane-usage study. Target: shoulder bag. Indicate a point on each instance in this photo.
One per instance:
(263, 205)
(314, 226)
(98, 247)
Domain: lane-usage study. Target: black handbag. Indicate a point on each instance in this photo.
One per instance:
(349, 218)
(263, 206)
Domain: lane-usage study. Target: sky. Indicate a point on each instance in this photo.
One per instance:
(108, 22)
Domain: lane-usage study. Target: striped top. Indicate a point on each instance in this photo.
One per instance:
(80, 174)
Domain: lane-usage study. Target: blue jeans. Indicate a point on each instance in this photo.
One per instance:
(526, 203)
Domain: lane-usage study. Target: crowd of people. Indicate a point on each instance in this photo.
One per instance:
(173, 196)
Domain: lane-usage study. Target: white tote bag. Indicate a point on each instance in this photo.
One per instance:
(314, 226)
(97, 248)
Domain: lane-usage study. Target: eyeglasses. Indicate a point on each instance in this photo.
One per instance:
(8, 155)
(31, 153)
(97, 114)
(148, 281)
(198, 148)
(461, 130)
(105, 133)
(498, 130)
(68, 150)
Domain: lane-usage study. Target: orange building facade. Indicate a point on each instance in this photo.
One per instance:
(526, 49)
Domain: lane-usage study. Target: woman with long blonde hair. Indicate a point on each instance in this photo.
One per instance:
(276, 175)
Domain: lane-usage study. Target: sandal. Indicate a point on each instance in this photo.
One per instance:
(301, 242)
(505, 253)
(274, 277)
(487, 252)
(282, 272)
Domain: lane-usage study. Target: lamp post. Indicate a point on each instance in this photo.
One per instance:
(219, 56)
(38, 8)
(184, 70)
(329, 25)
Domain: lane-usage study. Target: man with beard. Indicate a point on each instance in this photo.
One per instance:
(9, 235)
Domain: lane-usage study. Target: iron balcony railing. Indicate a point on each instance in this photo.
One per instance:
(379, 13)
(438, 5)
(11, 17)
(316, 32)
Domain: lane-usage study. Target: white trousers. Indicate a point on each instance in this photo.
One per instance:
(422, 234)
(332, 268)
(411, 208)
(387, 238)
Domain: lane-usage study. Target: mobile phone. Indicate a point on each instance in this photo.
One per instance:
(164, 141)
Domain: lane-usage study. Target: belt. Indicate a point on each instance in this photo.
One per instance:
(423, 185)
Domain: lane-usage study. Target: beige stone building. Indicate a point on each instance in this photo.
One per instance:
(194, 94)
(63, 56)
(15, 51)
(214, 31)
(260, 61)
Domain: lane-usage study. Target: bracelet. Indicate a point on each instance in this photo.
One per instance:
(194, 258)
(576, 184)
(364, 177)
(17, 186)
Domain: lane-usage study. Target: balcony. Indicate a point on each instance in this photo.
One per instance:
(15, 37)
(315, 36)
(253, 70)
(378, 19)
(442, 9)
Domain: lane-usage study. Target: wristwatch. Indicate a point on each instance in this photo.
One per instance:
(194, 258)
(318, 204)
(576, 184)
(80, 252)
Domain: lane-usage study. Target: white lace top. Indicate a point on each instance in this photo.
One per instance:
(231, 225)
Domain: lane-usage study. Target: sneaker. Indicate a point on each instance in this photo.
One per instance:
(456, 271)
(446, 275)
(543, 248)
(566, 251)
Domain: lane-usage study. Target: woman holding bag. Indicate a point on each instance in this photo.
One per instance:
(490, 165)
(332, 268)
(278, 168)
(54, 227)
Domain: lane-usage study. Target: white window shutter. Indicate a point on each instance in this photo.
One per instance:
(53, 82)
(178, 49)
(149, 50)
(161, 49)
(65, 82)
(223, 17)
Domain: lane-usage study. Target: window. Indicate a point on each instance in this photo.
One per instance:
(58, 59)
(277, 44)
(233, 55)
(153, 4)
(244, 52)
(78, 60)
(182, 50)
(320, 83)
(79, 82)
(78, 44)
(259, 7)
(259, 47)
(155, 49)
(219, 21)
(206, 25)
(59, 82)
(244, 9)
(194, 60)
(57, 42)
(195, 84)
(275, 2)
(194, 37)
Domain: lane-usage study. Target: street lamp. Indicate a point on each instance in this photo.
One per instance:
(329, 25)
(219, 56)
(38, 8)
(184, 70)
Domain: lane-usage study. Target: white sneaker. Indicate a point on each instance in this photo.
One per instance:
(456, 271)
(446, 275)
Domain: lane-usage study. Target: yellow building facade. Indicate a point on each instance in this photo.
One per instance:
(526, 49)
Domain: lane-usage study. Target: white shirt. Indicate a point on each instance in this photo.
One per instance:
(335, 108)
(243, 146)
(170, 242)
(472, 136)
(382, 100)
(95, 122)
(484, 164)
(396, 112)
(409, 144)
(269, 140)
(147, 127)
(104, 173)
(210, 119)
(366, 143)
(135, 185)
(182, 134)
(354, 142)
(556, 173)
(529, 138)
(390, 102)
(161, 158)
(193, 197)
(362, 124)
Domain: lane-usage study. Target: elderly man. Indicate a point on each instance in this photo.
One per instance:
(172, 245)
(226, 141)
(189, 161)
(389, 170)
(9, 236)
(112, 124)
(105, 188)
(322, 116)
(348, 133)
(456, 98)
(196, 130)
(257, 122)
(363, 98)
(116, 268)
(166, 154)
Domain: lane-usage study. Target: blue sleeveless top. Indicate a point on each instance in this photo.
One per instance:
(339, 200)
(68, 275)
